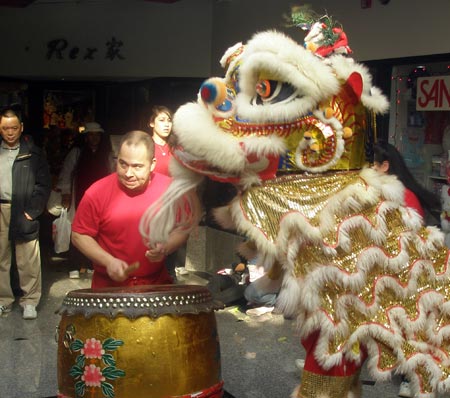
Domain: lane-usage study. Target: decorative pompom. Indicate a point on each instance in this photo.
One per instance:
(315, 147)
(213, 91)
(348, 132)
(329, 113)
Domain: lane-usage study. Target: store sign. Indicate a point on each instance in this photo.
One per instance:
(62, 49)
(433, 93)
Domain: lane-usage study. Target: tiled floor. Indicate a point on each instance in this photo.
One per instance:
(257, 354)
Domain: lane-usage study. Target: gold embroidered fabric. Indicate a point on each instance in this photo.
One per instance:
(314, 385)
(367, 273)
(265, 206)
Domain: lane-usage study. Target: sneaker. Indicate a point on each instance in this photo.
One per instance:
(258, 311)
(4, 309)
(74, 274)
(300, 364)
(29, 312)
(405, 390)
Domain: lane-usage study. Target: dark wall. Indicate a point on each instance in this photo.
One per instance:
(118, 106)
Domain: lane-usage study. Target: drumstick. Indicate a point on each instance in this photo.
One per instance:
(132, 267)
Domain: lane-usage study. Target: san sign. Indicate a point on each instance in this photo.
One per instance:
(433, 93)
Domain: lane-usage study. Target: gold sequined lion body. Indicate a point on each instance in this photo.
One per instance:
(362, 275)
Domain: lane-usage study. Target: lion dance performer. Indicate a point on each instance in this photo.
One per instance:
(365, 279)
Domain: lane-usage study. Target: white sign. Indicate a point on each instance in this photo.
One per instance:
(433, 93)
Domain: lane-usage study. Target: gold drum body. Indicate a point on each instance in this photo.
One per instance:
(141, 341)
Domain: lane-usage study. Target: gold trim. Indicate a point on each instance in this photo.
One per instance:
(314, 385)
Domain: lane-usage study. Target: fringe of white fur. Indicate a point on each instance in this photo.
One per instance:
(169, 211)
(295, 231)
(199, 135)
(371, 96)
(286, 60)
(311, 319)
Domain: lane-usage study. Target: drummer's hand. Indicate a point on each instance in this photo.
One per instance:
(66, 200)
(117, 270)
(156, 254)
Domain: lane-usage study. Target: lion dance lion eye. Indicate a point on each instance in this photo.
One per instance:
(264, 88)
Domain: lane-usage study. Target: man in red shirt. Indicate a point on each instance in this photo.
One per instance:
(106, 223)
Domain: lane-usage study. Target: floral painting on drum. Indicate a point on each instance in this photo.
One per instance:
(90, 373)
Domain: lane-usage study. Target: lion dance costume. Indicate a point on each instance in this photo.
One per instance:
(365, 278)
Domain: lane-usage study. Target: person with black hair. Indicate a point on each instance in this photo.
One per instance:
(25, 185)
(160, 123)
(85, 164)
(387, 159)
(106, 227)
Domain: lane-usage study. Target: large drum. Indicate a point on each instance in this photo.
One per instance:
(141, 341)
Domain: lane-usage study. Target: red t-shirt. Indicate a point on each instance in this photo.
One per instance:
(162, 156)
(111, 216)
(412, 202)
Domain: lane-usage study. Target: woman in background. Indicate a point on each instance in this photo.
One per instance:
(84, 164)
(160, 123)
(387, 159)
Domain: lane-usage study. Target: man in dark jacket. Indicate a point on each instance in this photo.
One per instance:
(24, 190)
